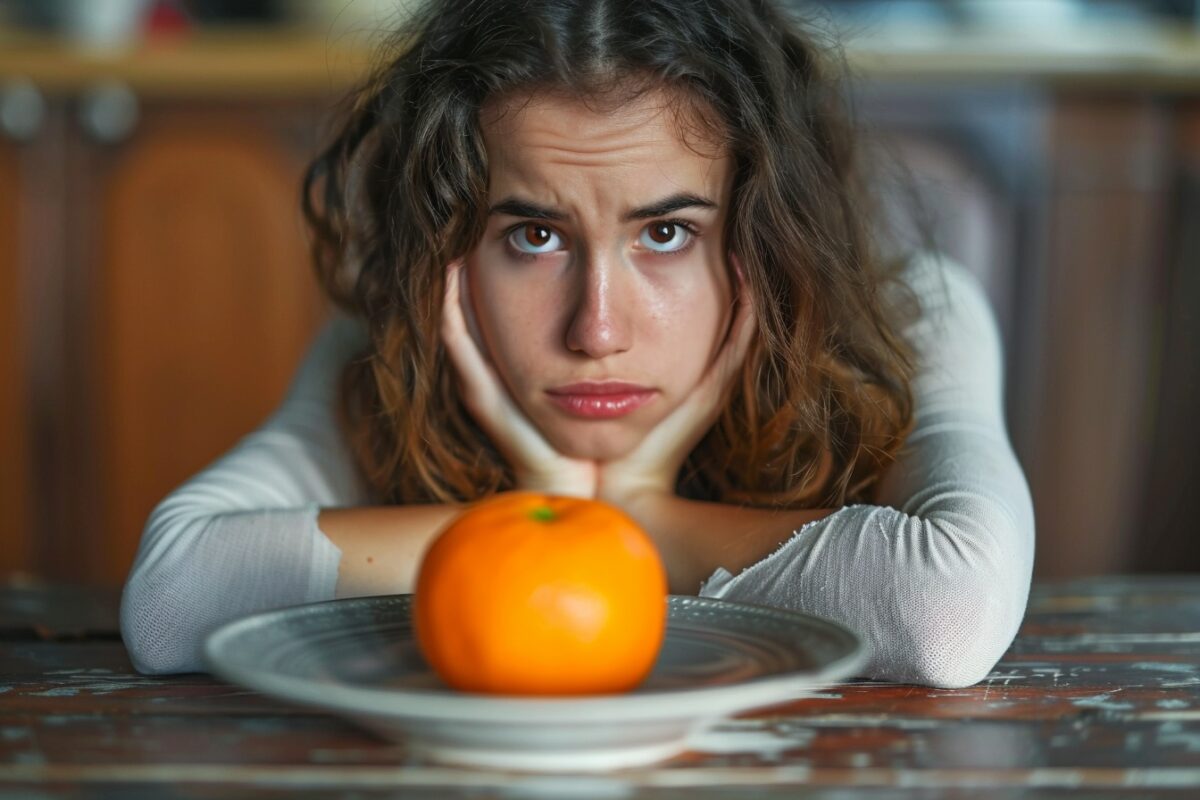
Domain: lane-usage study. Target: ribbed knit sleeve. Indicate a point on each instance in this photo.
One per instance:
(937, 576)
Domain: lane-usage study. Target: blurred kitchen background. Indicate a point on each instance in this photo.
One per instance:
(155, 293)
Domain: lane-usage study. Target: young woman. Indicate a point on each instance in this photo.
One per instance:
(619, 250)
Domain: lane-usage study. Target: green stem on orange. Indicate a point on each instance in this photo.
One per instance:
(542, 514)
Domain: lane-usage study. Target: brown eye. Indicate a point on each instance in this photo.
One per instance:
(666, 237)
(662, 232)
(533, 238)
(537, 235)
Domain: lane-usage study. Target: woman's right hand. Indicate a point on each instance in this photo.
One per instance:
(536, 464)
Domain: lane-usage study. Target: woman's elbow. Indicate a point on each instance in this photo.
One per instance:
(152, 640)
(962, 638)
(971, 613)
(962, 664)
(158, 620)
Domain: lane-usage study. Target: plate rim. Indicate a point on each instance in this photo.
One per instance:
(465, 707)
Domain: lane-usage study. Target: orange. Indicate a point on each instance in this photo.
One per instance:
(532, 594)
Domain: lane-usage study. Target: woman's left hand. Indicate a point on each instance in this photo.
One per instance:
(652, 467)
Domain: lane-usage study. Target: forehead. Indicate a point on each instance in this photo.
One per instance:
(656, 132)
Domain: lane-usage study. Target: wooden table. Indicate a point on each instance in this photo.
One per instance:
(1100, 691)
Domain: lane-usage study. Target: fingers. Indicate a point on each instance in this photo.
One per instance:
(478, 376)
(468, 310)
(741, 330)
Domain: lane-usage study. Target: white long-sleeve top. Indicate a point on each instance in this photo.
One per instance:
(935, 578)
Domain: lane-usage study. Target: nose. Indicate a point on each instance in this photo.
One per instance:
(601, 323)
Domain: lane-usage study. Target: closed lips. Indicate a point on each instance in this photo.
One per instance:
(601, 400)
(612, 387)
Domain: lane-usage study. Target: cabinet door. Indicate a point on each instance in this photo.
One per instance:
(1166, 539)
(15, 484)
(1107, 222)
(201, 297)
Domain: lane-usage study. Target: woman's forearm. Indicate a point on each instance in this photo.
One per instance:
(696, 537)
(382, 546)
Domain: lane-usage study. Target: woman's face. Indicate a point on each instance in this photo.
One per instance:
(602, 263)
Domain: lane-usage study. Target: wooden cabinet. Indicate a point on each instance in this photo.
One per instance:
(203, 296)
(15, 485)
(1101, 285)
(172, 301)
(1165, 539)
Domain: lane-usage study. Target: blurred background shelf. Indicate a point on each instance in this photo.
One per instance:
(239, 60)
(1161, 57)
(229, 62)
(156, 295)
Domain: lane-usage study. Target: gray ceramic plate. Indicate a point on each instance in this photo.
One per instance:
(358, 658)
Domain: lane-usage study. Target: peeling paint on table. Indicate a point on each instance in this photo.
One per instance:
(1100, 691)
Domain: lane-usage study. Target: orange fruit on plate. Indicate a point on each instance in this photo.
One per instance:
(532, 594)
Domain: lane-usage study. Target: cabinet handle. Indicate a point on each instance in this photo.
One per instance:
(22, 110)
(108, 112)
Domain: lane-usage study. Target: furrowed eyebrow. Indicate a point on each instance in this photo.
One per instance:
(517, 207)
(670, 205)
(523, 208)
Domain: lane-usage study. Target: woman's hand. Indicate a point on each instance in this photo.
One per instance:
(536, 464)
(652, 467)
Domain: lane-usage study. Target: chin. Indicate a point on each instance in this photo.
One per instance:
(599, 444)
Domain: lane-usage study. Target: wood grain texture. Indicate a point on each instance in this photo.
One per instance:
(1167, 541)
(1100, 691)
(16, 551)
(204, 303)
(54, 280)
(1103, 275)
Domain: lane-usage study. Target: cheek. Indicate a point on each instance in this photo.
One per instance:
(511, 317)
(692, 321)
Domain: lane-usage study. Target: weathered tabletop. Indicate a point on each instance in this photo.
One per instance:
(1100, 693)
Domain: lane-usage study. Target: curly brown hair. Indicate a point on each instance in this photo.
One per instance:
(824, 400)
